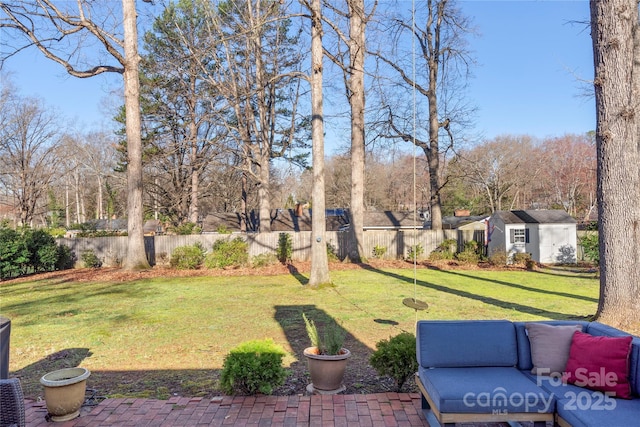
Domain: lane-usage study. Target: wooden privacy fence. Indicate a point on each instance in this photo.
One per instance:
(397, 244)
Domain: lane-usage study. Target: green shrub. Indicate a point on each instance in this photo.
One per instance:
(14, 254)
(66, 258)
(332, 253)
(187, 228)
(43, 250)
(415, 252)
(228, 253)
(498, 258)
(521, 258)
(90, 259)
(187, 257)
(472, 246)
(445, 250)
(30, 251)
(468, 255)
(396, 358)
(448, 245)
(285, 247)
(590, 247)
(264, 260)
(222, 229)
(57, 232)
(253, 367)
(379, 251)
(438, 255)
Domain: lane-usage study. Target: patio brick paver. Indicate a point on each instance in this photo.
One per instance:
(380, 409)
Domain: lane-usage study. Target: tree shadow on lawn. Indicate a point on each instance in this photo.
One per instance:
(359, 372)
(508, 305)
(164, 383)
(524, 288)
(158, 384)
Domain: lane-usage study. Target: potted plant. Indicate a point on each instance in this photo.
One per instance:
(326, 358)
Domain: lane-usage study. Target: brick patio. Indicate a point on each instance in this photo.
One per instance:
(381, 409)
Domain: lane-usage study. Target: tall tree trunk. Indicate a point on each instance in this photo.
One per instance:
(195, 175)
(136, 258)
(76, 181)
(67, 214)
(433, 154)
(614, 29)
(357, 104)
(264, 195)
(99, 203)
(319, 261)
(243, 204)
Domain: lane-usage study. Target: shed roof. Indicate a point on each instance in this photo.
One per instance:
(542, 216)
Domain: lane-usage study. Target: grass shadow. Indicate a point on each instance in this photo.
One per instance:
(524, 288)
(289, 317)
(507, 305)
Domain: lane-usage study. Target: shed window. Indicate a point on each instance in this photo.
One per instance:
(519, 235)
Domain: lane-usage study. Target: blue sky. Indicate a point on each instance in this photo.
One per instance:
(531, 78)
(534, 67)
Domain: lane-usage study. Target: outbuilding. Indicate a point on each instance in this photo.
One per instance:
(548, 235)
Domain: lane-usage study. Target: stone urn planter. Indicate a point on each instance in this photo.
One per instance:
(326, 371)
(64, 392)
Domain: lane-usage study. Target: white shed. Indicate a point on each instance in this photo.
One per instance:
(548, 235)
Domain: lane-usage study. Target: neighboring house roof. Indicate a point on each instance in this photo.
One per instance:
(392, 220)
(287, 220)
(542, 216)
(109, 224)
(453, 222)
(281, 220)
(216, 221)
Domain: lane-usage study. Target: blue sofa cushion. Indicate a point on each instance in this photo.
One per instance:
(592, 408)
(484, 390)
(524, 348)
(555, 386)
(466, 343)
(599, 329)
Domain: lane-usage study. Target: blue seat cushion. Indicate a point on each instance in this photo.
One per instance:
(484, 390)
(592, 408)
(554, 385)
(466, 343)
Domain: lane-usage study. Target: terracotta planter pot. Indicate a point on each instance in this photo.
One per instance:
(64, 392)
(326, 371)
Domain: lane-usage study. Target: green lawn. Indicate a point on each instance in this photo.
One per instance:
(187, 325)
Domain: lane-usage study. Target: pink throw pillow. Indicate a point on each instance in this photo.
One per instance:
(600, 363)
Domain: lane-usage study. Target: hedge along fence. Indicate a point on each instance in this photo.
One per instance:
(112, 250)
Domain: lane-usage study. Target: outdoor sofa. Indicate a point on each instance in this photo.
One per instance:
(566, 373)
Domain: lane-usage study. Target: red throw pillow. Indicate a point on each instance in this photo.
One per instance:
(600, 363)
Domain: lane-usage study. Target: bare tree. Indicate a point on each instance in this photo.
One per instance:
(29, 138)
(61, 32)
(615, 30)
(442, 68)
(567, 168)
(498, 168)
